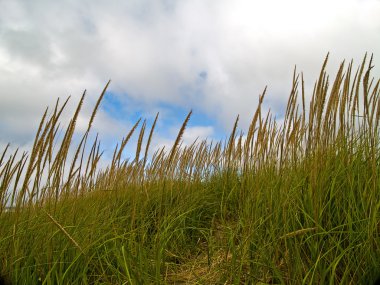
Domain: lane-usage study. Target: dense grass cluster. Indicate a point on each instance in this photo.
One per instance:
(290, 203)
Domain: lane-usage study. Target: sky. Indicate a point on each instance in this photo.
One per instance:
(214, 57)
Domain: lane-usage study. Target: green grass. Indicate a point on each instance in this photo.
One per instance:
(296, 203)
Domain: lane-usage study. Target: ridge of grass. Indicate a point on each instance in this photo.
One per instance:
(296, 203)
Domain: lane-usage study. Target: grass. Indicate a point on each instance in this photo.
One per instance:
(290, 203)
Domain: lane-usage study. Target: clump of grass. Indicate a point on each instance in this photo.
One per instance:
(290, 203)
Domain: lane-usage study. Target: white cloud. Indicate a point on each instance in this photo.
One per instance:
(156, 51)
(197, 133)
(190, 135)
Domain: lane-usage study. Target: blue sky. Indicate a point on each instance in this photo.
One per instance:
(169, 56)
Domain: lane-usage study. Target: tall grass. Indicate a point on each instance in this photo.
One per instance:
(290, 203)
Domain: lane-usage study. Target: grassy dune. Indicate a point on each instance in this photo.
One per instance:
(290, 203)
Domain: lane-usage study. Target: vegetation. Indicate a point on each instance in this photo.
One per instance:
(290, 203)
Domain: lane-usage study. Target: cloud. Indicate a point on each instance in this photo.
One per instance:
(197, 133)
(191, 134)
(212, 56)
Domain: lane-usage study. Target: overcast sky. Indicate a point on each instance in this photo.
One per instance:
(212, 56)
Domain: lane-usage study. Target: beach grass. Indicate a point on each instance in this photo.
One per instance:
(290, 203)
